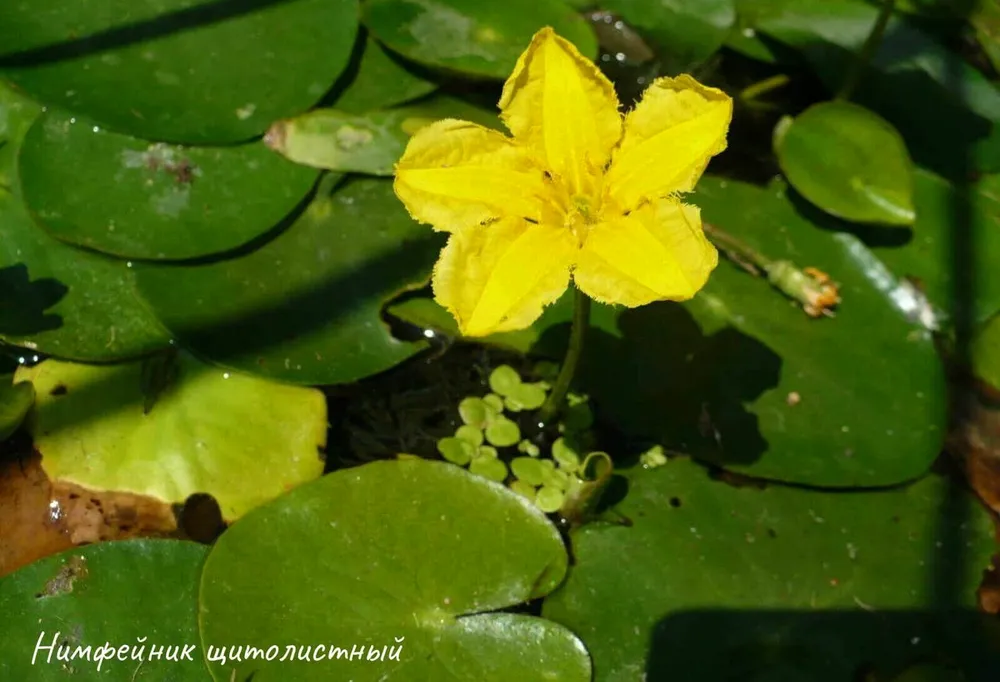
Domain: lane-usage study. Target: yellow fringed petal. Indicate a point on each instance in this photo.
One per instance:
(658, 252)
(560, 105)
(455, 174)
(499, 277)
(669, 138)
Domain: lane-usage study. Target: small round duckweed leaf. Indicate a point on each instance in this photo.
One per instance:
(743, 575)
(528, 469)
(381, 82)
(59, 300)
(525, 397)
(489, 467)
(305, 307)
(15, 402)
(189, 73)
(470, 434)
(503, 432)
(558, 479)
(392, 586)
(528, 448)
(487, 451)
(473, 411)
(494, 403)
(986, 353)
(504, 379)
(133, 199)
(470, 36)
(101, 593)
(524, 489)
(549, 499)
(850, 162)
(565, 455)
(456, 450)
(171, 427)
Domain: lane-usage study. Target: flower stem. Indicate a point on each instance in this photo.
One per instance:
(867, 51)
(762, 87)
(577, 332)
(744, 256)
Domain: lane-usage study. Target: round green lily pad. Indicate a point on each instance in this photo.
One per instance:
(456, 450)
(849, 162)
(527, 469)
(15, 402)
(99, 594)
(503, 432)
(489, 467)
(381, 81)
(169, 427)
(184, 71)
(727, 583)
(470, 36)
(420, 569)
(135, 199)
(504, 379)
(305, 307)
(57, 299)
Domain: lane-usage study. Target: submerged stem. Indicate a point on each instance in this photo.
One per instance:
(867, 51)
(577, 332)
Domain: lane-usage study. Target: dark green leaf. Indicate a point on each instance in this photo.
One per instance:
(132, 199)
(135, 593)
(849, 162)
(726, 583)
(420, 568)
(380, 82)
(188, 71)
(15, 402)
(986, 353)
(304, 307)
(470, 36)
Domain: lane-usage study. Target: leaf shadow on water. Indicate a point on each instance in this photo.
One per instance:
(23, 302)
(664, 380)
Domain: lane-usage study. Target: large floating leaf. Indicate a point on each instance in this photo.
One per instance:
(420, 552)
(135, 593)
(57, 299)
(306, 306)
(471, 36)
(986, 353)
(742, 377)
(381, 81)
(194, 71)
(134, 199)
(15, 402)
(849, 162)
(171, 426)
(943, 107)
(687, 32)
(726, 583)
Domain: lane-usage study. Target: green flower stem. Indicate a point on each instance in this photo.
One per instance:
(744, 256)
(867, 51)
(578, 330)
(762, 87)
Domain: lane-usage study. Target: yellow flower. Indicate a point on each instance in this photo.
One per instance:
(576, 192)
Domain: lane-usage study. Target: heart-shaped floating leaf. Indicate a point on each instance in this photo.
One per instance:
(57, 299)
(15, 402)
(139, 594)
(133, 199)
(170, 426)
(421, 552)
(686, 32)
(742, 377)
(187, 71)
(381, 81)
(306, 306)
(928, 256)
(470, 36)
(849, 162)
(726, 583)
